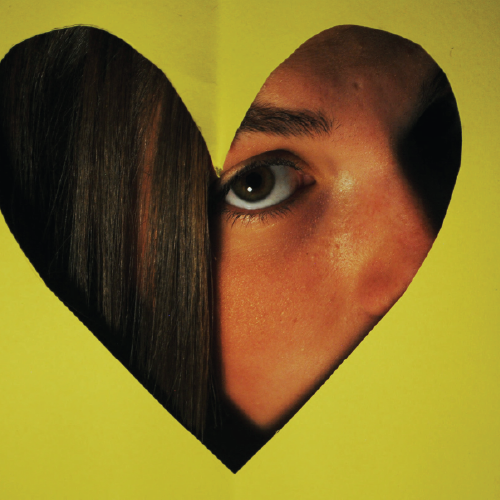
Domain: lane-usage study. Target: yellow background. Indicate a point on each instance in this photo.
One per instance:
(415, 410)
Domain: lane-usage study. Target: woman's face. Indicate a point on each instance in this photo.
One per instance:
(322, 233)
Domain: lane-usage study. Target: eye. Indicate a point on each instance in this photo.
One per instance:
(264, 185)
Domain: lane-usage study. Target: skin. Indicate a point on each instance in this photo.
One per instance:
(297, 291)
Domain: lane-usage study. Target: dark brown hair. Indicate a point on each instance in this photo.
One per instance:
(104, 183)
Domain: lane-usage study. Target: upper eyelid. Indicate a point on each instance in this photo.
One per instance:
(256, 163)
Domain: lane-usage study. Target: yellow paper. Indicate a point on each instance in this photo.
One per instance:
(413, 413)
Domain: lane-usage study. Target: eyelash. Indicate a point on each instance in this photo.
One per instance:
(280, 210)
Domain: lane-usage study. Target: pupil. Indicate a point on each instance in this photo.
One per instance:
(254, 186)
(254, 181)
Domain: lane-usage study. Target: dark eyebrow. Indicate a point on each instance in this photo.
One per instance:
(285, 122)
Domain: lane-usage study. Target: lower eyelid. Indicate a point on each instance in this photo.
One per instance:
(260, 216)
(281, 210)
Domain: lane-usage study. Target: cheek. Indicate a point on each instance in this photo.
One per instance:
(388, 273)
(393, 240)
(295, 296)
(266, 276)
(279, 301)
(283, 288)
(333, 260)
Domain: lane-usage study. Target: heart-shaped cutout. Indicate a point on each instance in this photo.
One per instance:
(331, 196)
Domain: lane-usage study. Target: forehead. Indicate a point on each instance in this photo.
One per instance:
(351, 65)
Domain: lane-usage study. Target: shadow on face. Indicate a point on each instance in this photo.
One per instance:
(334, 189)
